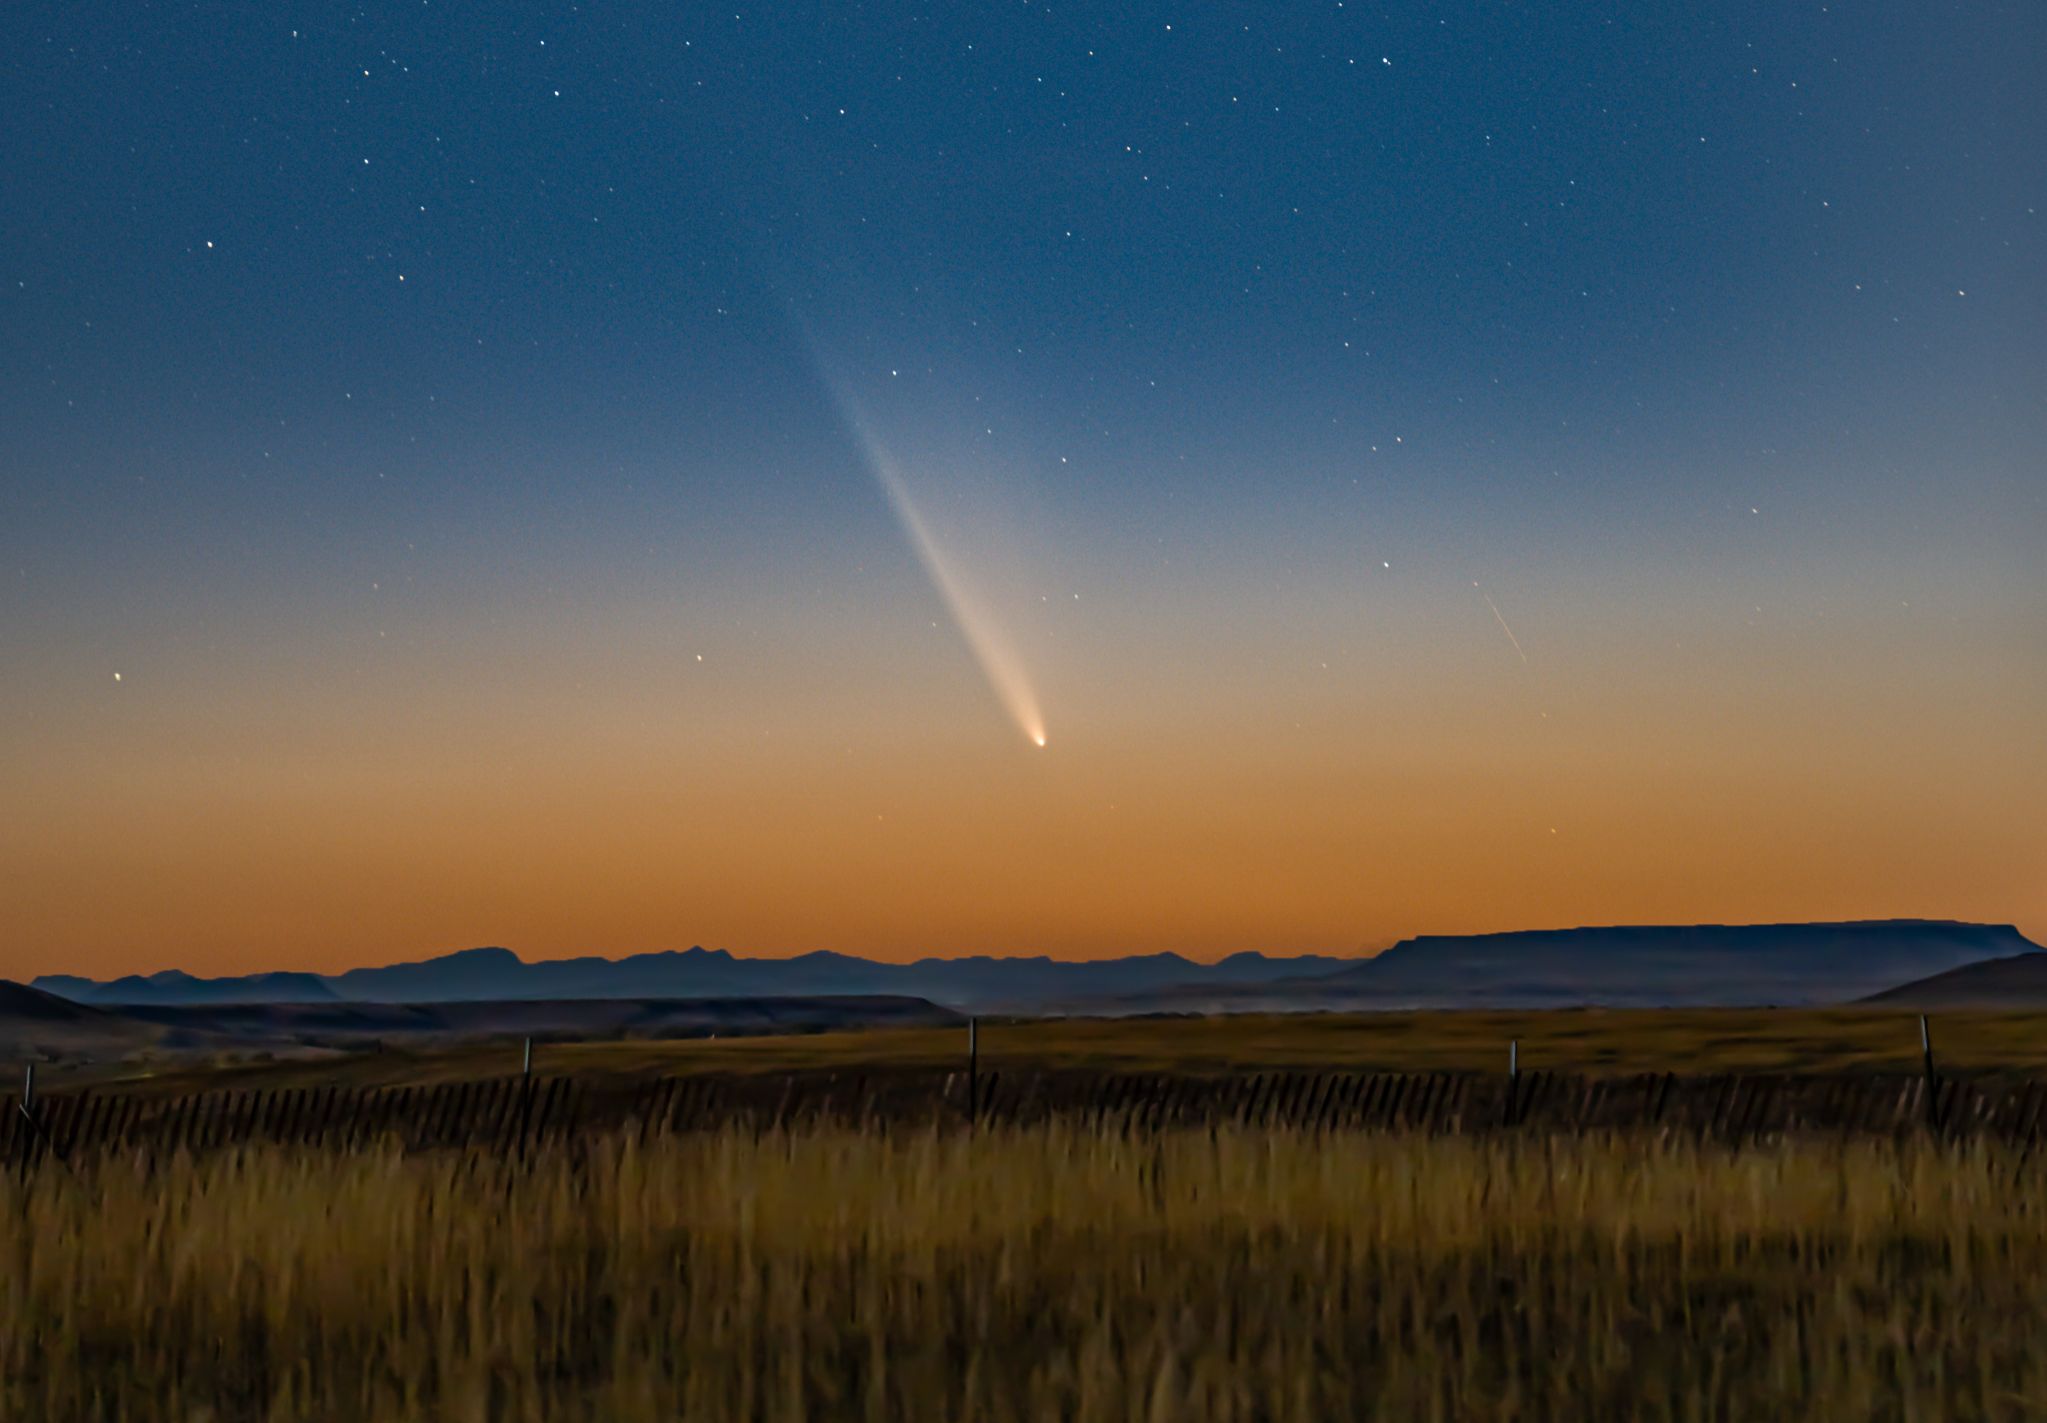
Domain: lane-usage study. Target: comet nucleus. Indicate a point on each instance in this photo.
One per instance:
(985, 636)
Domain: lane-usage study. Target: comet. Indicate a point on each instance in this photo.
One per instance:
(1003, 667)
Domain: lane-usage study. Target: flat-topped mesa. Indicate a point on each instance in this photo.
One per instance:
(1688, 965)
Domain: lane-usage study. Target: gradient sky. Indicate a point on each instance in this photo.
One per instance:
(1433, 468)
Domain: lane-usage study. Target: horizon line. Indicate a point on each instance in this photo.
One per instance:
(773, 957)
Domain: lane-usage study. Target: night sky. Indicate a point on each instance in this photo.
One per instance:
(616, 477)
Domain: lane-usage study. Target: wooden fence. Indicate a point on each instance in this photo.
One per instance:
(518, 1115)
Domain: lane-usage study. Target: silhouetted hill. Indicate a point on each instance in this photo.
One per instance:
(21, 1003)
(2019, 981)
(471, 973)
(1694, 965)
(172, 986)
(39, 1025)
(498, 974)
(68, 986)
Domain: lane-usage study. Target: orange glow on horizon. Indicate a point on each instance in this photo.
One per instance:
(1148, 838)
(560, 800)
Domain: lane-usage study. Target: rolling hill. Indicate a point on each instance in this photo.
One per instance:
(2016, 982)
(42, 1027)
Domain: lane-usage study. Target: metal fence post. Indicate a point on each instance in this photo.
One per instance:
(1513, 1079)
(973, 1071)
(26, 1106)
(1932, 1078)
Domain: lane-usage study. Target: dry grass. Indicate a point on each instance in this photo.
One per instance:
(1573, 1040)
(1051, 1273)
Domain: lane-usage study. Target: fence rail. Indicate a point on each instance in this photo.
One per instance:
(517, 1115)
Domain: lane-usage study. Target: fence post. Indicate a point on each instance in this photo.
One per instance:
(26, 1106)
(973, 1071)
(1932, 1078)
(526, 1067)
(1513, 1078)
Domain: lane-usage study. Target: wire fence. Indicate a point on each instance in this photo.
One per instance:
(517, 1115)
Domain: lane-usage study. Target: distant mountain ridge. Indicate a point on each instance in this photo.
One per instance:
(173, 987)
(498, 974)
(1641, 965)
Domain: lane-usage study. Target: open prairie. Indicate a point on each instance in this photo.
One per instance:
(1047, 1273)
(1566, 1040)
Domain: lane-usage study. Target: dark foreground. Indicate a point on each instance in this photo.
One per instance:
(1049, 1272)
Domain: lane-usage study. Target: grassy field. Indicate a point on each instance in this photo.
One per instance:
(1587, 1040)
(1034, 1275)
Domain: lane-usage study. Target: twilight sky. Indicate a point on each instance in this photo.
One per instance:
(623, 476)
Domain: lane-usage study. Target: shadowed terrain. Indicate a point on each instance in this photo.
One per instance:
(1594, 1041)
(2009, 983)
(141, 1038)
(34, 1024)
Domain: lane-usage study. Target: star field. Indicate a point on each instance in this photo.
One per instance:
(620, 476)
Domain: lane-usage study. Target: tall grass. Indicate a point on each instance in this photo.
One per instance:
(1049, 1273)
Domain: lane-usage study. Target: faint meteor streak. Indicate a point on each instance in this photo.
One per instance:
(1502, 621)
(992, 649)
